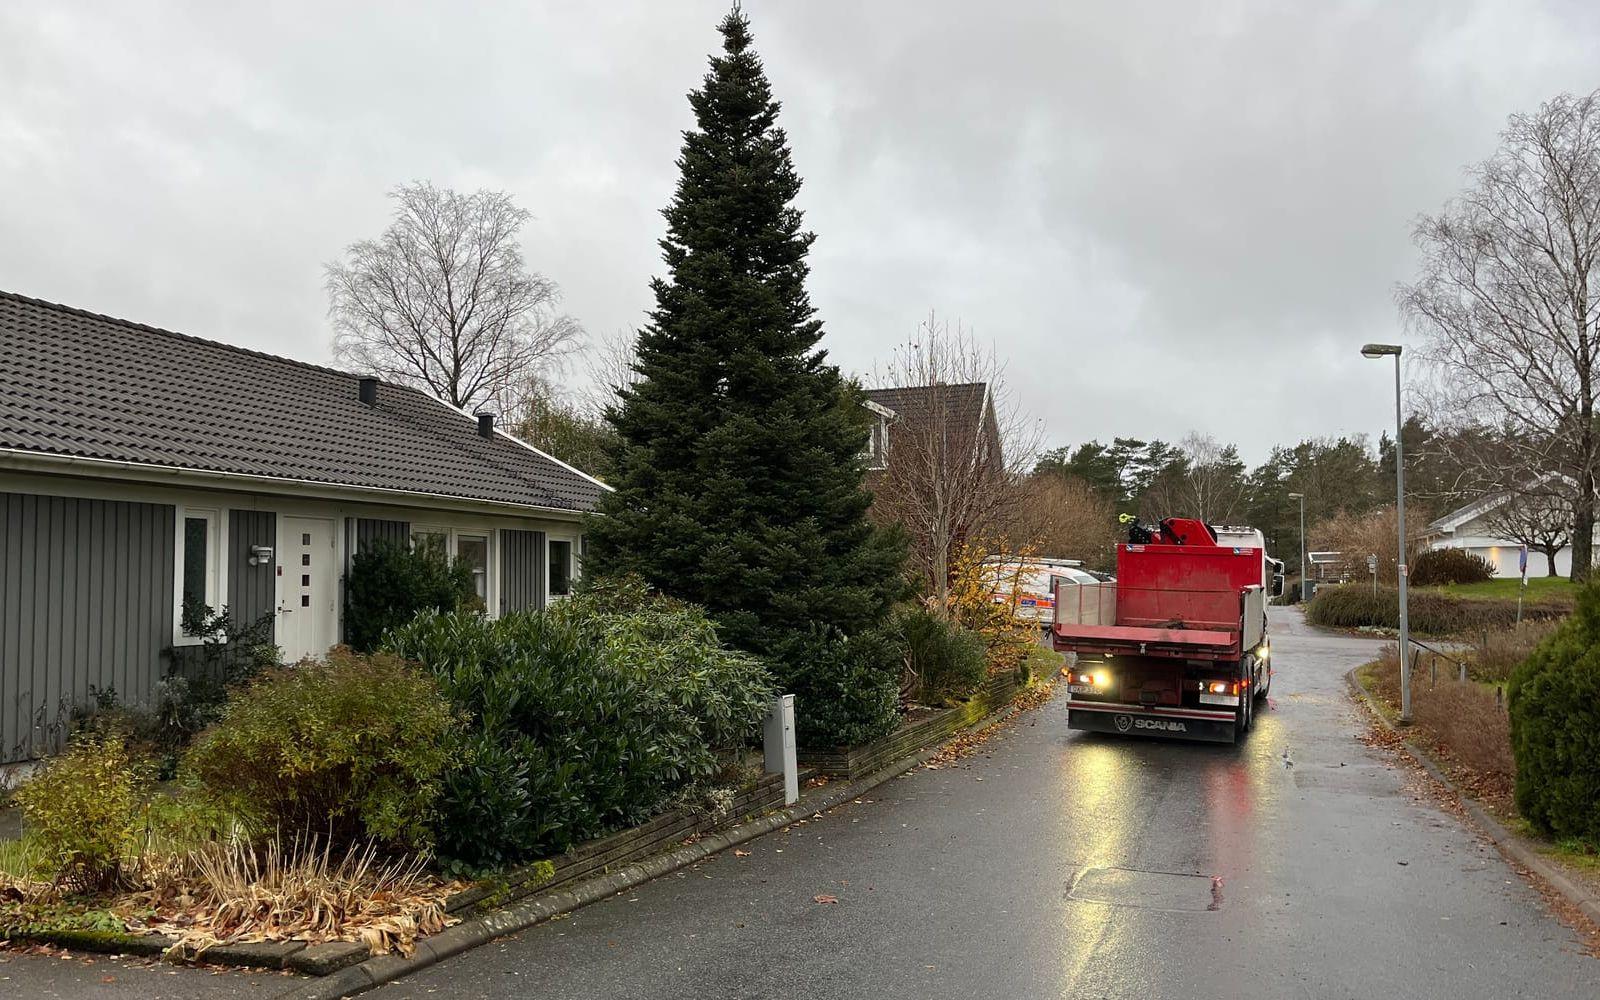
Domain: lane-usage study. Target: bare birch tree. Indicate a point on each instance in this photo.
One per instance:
(956, 451)
(1507, 297)
(1206, 480)
(444, 301)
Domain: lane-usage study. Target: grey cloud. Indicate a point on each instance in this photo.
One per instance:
(1168, 216)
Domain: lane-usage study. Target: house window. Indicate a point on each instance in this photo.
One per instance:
(199, 569)
(436, 539)
(560, 568)
(474, 551)
(878, 444)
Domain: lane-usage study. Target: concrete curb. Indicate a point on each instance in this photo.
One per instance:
(469, 934)
(1509, 844)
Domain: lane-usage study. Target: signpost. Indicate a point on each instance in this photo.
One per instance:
(1522, 567)
(1372, 567)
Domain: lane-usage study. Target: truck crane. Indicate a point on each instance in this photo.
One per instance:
(1177, 645)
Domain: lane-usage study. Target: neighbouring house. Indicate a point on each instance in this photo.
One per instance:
(143, 470)
(935, 468)
(959, 414)
(1482, 527)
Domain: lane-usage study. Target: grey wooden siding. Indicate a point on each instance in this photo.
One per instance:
(369, 530)
(85, 603)
(522, 570)
(250, 588)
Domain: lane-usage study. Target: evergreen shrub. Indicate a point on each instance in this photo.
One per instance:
(1554, 705)
(945, 660)
(1441, 567)
(390, 583)
(582, 719)
(846, 689)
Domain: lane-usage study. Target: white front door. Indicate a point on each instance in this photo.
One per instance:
(308, 587)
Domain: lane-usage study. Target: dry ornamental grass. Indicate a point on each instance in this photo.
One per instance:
(1466, 725)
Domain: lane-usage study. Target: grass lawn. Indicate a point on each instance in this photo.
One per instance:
(1546, 588)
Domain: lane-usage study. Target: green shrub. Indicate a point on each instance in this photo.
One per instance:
(1439, 567)
(582, 719)
(945, 661)
(83, 810)
(846, 690)
(356, 747)
(1356, 606)
(389, 584)
(1554, 704)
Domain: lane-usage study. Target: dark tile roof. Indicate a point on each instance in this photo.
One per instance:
(961, 401)
(77, 383)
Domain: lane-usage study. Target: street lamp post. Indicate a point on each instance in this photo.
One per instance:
(1383, 351)
(1305, 578)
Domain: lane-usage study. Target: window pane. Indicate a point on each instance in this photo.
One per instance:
(560, 568)
(195, 531)
(430, 541)
(474, 551)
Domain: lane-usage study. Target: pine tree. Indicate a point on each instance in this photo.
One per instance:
(739, 474)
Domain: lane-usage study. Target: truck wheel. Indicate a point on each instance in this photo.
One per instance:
(1266, 680)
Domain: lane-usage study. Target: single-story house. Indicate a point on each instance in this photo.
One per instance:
(1471, 527)
(143, 470)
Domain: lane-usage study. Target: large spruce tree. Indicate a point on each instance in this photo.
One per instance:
(738, 474)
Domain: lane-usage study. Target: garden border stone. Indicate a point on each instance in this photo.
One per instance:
(1587, 902)
(481, 930)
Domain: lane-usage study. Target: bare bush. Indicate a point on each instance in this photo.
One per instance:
(1062, 517)
(953, 473)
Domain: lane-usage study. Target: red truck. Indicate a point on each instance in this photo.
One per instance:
(1177, 645)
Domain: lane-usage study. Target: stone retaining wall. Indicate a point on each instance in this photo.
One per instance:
(623, 847)
(854, 762)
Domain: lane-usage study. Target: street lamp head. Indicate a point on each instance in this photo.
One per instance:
(1380, 350)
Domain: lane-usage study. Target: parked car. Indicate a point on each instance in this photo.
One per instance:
(1032, 583)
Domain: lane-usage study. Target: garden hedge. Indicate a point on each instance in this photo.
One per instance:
(1356, 606)
(1554, 704)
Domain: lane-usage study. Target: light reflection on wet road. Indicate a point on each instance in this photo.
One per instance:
(1062, 864)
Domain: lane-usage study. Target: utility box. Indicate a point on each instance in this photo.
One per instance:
(780, 747)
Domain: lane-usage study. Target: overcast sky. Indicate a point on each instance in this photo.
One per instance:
(1167, 216)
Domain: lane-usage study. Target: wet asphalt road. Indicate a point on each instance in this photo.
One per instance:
(1053, 864)
(1062, 864)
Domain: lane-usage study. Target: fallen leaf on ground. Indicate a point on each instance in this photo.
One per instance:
(740, 854)
(824, 899)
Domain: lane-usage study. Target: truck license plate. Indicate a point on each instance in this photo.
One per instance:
(1080, 689)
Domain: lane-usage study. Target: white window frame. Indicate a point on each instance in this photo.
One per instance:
(490, 591)
(216, 577)
(572, 565)
(452, 542)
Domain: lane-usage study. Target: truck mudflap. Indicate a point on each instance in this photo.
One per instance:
(1142, 720)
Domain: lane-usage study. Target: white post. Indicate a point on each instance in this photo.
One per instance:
(780, 756)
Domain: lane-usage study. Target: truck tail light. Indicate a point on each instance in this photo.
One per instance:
(1218, 687)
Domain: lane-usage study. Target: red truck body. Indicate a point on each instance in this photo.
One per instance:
(1177, 645)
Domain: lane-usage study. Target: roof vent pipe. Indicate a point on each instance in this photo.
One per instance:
(486, 425)
(369, 391)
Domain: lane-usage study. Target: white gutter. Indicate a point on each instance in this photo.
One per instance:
(46, 462)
